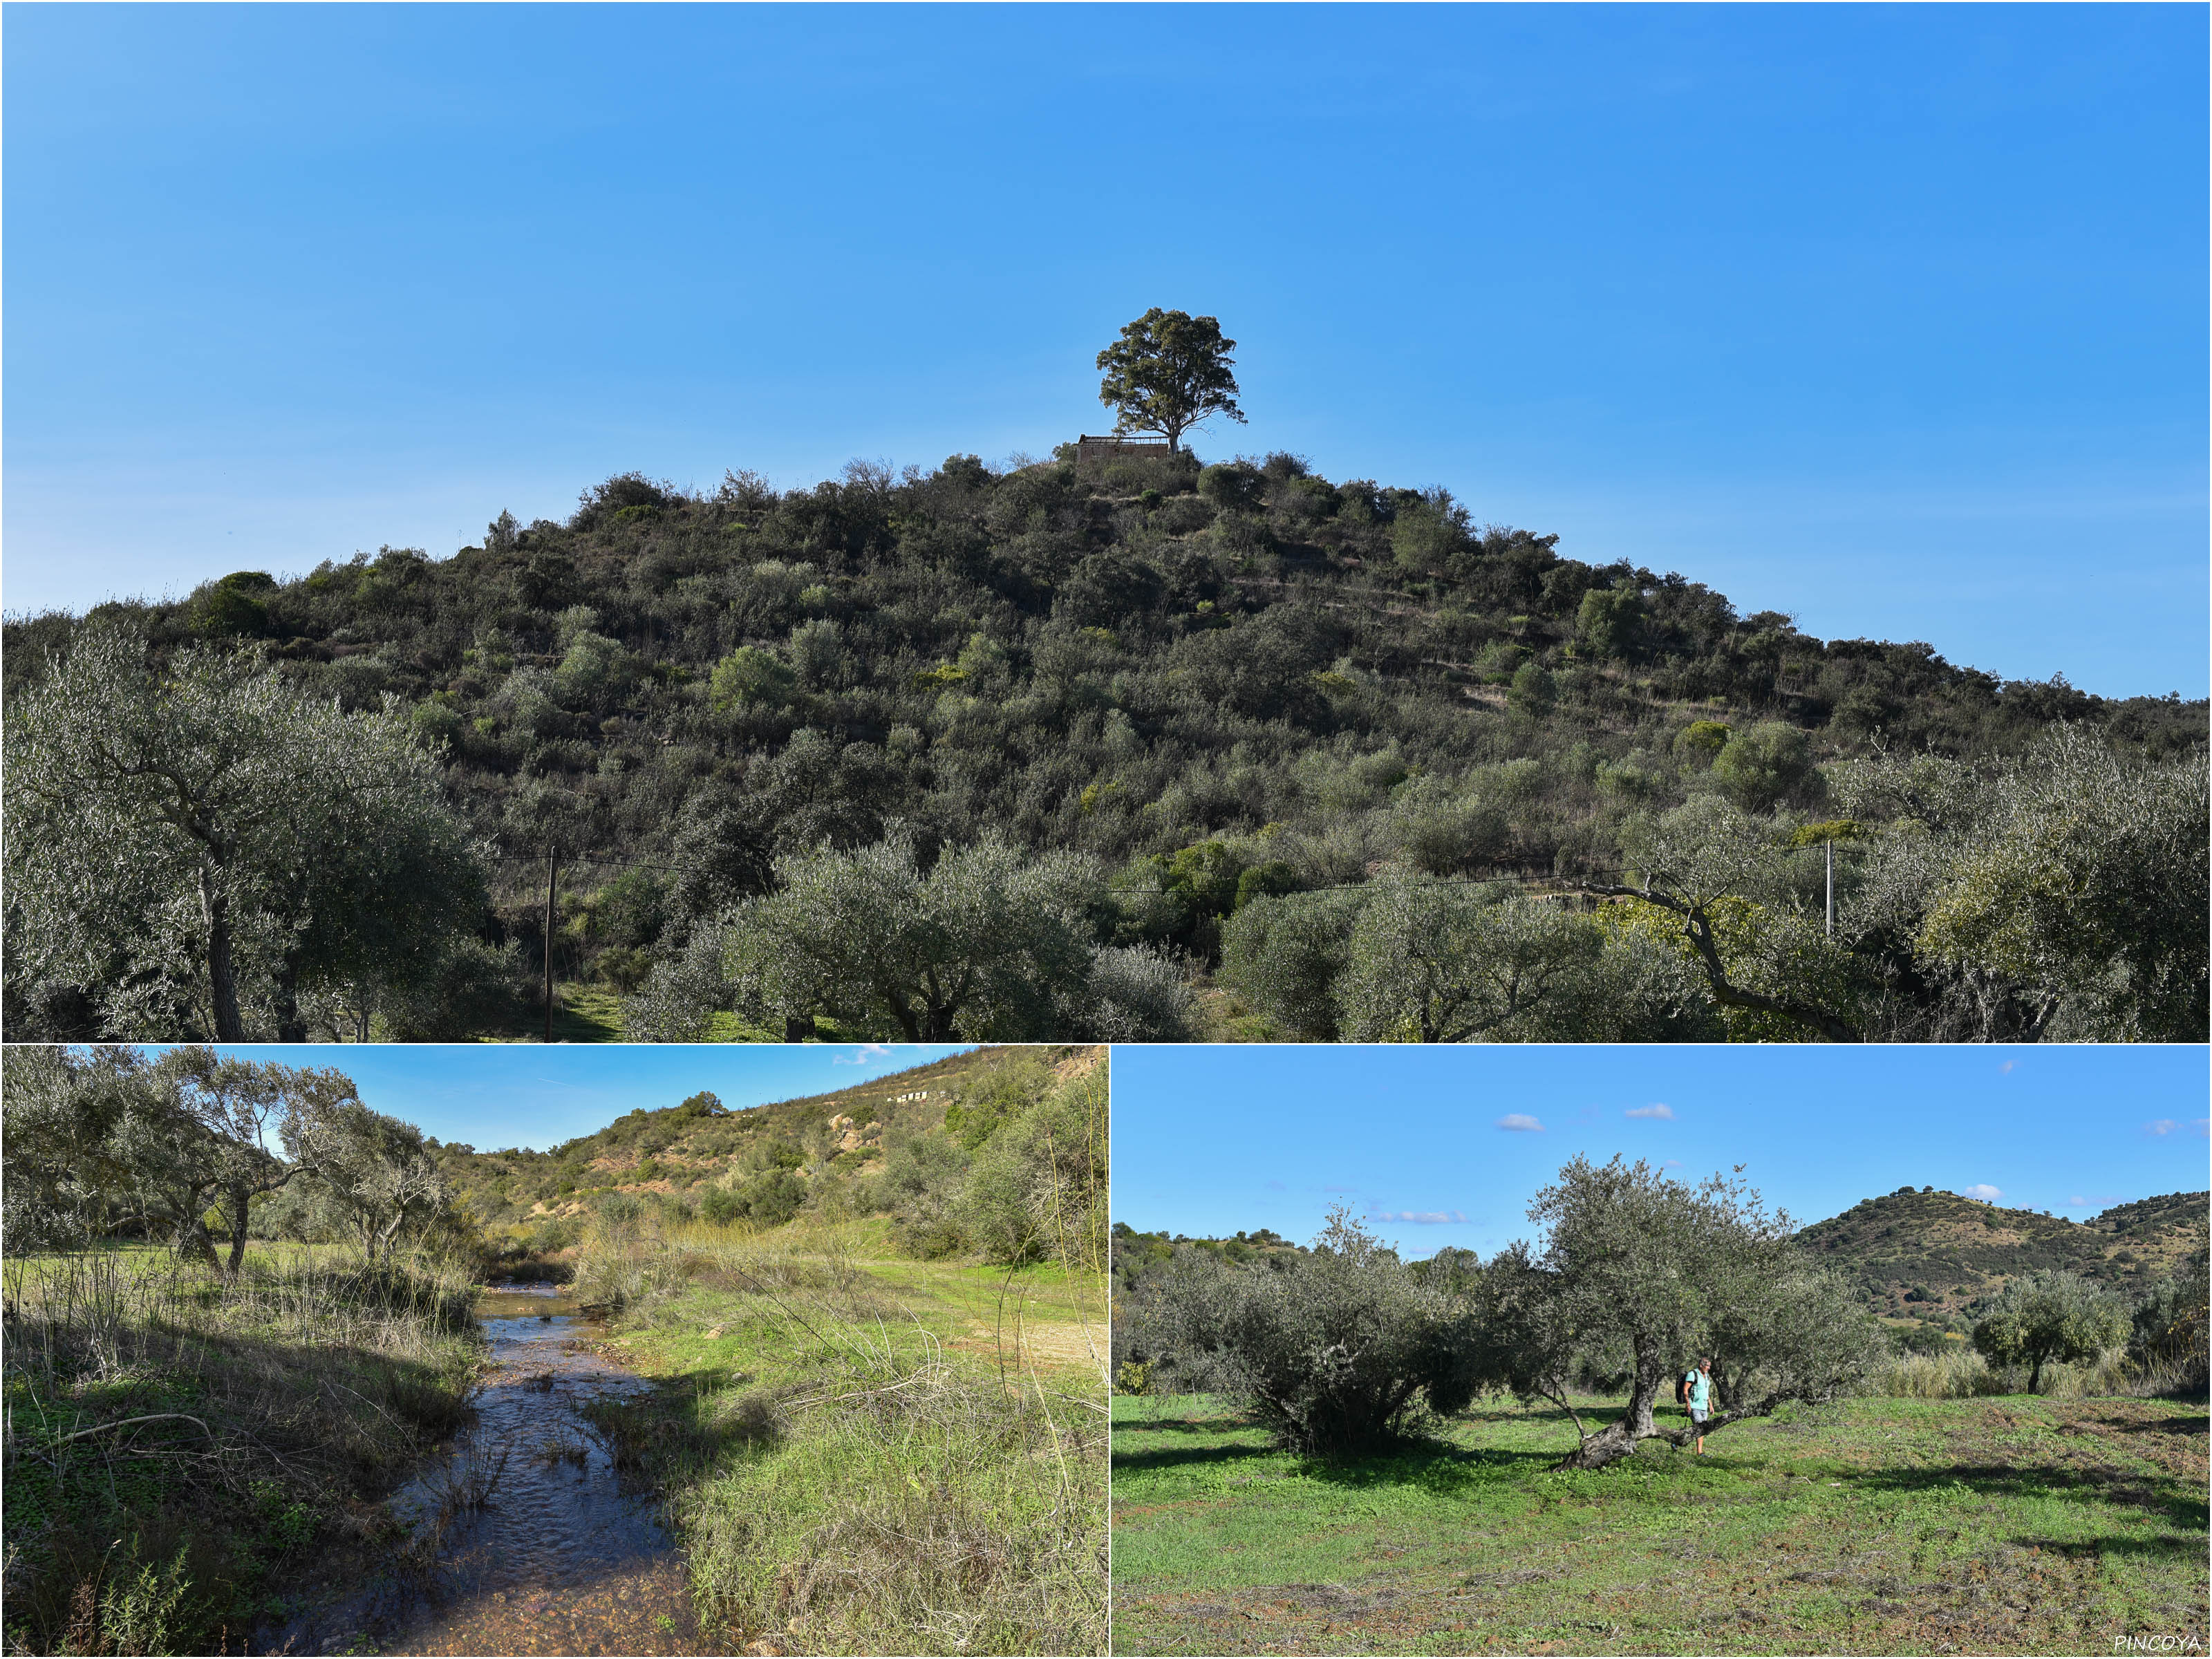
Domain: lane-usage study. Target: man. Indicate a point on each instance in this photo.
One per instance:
(1697, 1394)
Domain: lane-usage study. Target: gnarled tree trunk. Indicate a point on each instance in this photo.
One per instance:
(1634, 1425)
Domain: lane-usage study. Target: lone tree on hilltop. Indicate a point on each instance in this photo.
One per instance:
(1169, 372)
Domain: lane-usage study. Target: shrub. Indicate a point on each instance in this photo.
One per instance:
(1335, 1351)
(1703, 739)
(1767, 765)
(1534, 690)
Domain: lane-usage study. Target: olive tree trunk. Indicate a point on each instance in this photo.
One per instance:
(222, 979)
(1618, 1439)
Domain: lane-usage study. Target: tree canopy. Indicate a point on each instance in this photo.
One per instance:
(192, 846)
(1167, 373)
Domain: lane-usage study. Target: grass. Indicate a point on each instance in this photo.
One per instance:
(592, 1012)
(180, 1444)
(1883, 1525)
(861, 1454)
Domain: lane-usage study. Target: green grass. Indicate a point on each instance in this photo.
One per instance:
(2011, 1524)
(862, 1454)
(181, 1447)
(592, 1013)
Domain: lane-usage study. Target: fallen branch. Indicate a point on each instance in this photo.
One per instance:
(125, 1422)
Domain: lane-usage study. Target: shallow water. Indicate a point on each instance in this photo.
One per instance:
(561, 1558)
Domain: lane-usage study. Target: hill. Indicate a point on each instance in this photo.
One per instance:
(1214, 685)
(1936, 1257)
(903, 1148)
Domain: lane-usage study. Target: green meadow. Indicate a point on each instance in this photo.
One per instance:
(864, 1453)
(2008, 1524)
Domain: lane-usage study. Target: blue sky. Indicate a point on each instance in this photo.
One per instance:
(1891, 318)
(1212, 1141)
(500, 1094)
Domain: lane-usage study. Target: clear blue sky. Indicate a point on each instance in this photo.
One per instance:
(498, 1095)
(1893, 318)
(1213, 1141)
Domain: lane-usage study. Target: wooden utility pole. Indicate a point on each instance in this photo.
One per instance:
(1832, 888)
(552, 874)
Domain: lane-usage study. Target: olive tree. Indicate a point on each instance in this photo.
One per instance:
(987, 943)
(106, 1136)
(60, 1178)
(2087, 881)
(375, 1173)
(239, 1107)
(1733, 894)
(2052, 1315)
(1169, 372)
(2174, 1318)
(1335, 1351)
(1649, 1273)
(197, 845)
(1409, 958)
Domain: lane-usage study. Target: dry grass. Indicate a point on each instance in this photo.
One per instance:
(174, 1437)
(846, 1475)
(1962, 1373)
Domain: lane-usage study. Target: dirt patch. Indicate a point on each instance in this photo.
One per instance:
(1038, 1344)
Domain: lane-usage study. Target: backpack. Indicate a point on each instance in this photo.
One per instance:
(1682, 1389)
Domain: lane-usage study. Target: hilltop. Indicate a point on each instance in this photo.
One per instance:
(1936, 1257)
(899, 1145)
(1230, 688)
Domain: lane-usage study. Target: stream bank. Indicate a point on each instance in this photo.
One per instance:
(520, 1537)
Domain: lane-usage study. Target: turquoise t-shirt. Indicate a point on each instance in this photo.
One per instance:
(1698, 1384)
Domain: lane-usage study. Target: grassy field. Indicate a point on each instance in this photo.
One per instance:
(864, 1453)
(1997, 1525)
(180, 1446)
(586, 1012)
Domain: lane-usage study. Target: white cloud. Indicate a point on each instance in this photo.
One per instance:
(1672, 1163)
(862, 1055)
(1419, 1218)
(1664, 1113)
(2078, 1202)
(2006, 1066)
(1520, 1123)
(2203, 1125)
(1983, 1192)
(2162, 1126)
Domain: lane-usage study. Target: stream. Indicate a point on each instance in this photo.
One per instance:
(558, 1557)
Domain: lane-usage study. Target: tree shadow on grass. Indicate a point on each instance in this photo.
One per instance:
(1433, 1466)
(2175, 1425)
(2183, 1506)
(1186, 1425)
(1170, 1457)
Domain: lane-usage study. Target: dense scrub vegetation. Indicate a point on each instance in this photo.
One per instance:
(998, 1155)
(1230, 750)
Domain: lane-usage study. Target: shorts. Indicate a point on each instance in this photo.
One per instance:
(1698, 1415)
